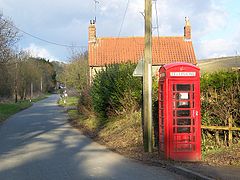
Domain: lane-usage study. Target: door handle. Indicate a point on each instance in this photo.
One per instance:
(195, 113)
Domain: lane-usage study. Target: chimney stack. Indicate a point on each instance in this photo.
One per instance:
(187, 30)
(92, 32)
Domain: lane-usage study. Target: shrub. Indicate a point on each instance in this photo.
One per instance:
(115, 91)
(221, 80)
(220, 98)
(85, 102)
(220, 95)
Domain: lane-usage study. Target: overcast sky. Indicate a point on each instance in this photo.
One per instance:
(215, 23)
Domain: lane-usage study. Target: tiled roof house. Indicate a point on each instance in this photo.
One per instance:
(110, 50)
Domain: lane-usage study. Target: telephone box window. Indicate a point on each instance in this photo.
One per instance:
(182, 96)
(184, 121)
(183, 104)
(183, 113)
(183, 87)
(183, 130)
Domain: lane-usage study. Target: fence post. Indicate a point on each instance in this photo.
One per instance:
(217, 138)
(230, 121)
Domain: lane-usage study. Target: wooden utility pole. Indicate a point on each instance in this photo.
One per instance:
(147, 78)
(41, 85)
(16, 79)
(31, 93)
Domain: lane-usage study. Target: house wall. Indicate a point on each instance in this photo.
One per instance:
(94, 70)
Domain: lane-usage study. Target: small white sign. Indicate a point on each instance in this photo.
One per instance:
(182, 74)
(138, 72)
(183, 96)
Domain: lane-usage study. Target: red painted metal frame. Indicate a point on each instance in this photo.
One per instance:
(179, 136)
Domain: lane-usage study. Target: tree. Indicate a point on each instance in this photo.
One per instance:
(75, 74)
(18, 70)
(36, 72)
(8, 38)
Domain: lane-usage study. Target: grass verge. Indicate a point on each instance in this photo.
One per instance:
(41, 97)
(10, 108)
(122, 134)
(70, 101)
(222, 156)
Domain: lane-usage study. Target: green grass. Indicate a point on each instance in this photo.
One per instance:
(8, 109)
(71, 101)
(218, 64)
(90, 123)
(223, 156)
(41, 97)
(73, 114)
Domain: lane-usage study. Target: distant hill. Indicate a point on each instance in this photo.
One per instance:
(217, 64)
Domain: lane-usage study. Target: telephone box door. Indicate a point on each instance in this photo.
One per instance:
(184, 124)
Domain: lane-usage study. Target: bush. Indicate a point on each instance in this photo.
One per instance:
(115, 91)
(221, 80)
(85, 102)
(220, 98)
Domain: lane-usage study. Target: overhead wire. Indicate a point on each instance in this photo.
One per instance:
(157, 27)
(157, 23)
(124, 16)
(44, 40)
(120, 30)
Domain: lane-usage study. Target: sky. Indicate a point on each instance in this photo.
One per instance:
(215, 23)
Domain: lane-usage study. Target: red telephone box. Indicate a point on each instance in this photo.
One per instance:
(179, 112)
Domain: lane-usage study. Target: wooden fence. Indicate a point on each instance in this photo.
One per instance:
(228, 128)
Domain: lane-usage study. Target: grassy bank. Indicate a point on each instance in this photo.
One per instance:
(70, 101)
(123, 134)
(39, 98)
(9, 108)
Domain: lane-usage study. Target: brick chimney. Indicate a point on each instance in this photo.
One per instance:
(187, 29)
(92, 32)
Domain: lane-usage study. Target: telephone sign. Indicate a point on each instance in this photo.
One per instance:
(182, 73)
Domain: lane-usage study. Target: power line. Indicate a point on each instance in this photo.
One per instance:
(157, 17)
(157, 24)
(124, 16)
(120, 30)
(44, 40)
(155, 4)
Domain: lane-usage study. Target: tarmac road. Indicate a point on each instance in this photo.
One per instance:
(39, 144)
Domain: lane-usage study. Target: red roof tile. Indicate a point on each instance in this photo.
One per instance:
(117, 50)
